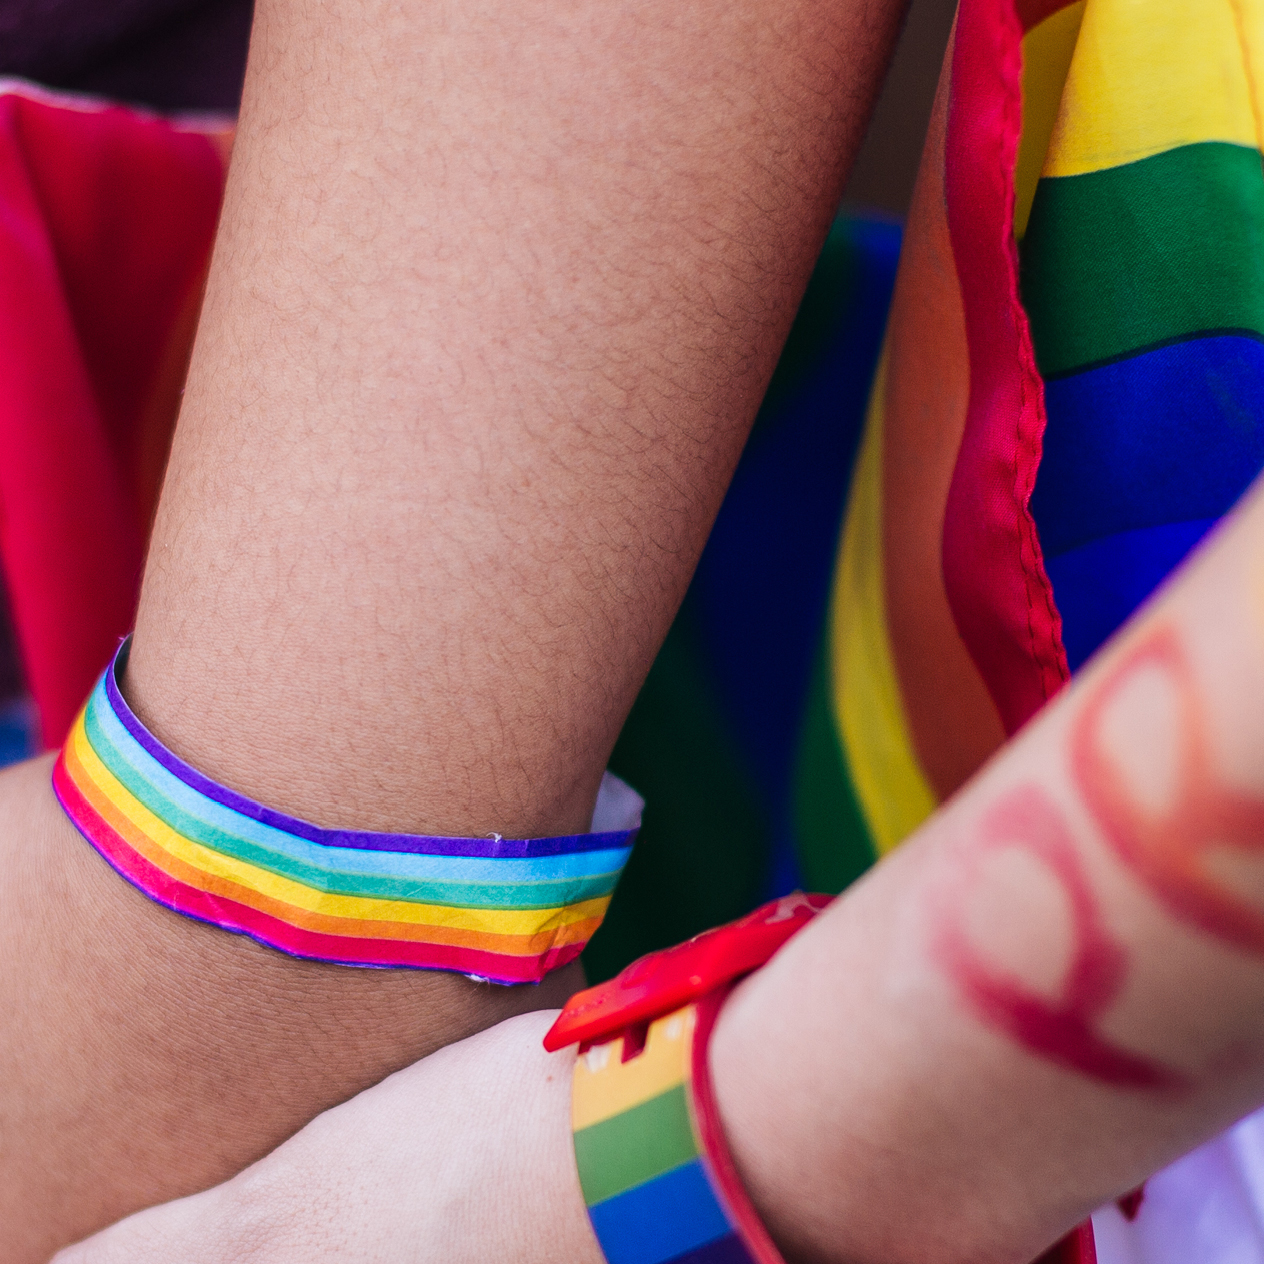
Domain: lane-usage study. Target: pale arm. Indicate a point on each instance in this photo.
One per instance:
(1056, 988)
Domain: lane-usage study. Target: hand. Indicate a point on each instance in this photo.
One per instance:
(465, 1156)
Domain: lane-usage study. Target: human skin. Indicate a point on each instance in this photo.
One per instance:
(497, 290)
(1056, 988)
(1053, 990)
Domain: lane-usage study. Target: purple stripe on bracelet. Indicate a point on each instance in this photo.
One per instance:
(488, 848)
(726, 1250)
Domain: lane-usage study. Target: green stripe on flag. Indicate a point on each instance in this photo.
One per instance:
(634, 1147)
(832, 839)
(1149, 253)
(702, 853)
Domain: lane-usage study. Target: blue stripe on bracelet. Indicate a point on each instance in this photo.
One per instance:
(539, 882)
(670, 1218)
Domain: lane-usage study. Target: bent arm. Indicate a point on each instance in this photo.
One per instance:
(1056, 988)
(497, 290)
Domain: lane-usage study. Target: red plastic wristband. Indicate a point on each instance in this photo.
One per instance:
(666, 980)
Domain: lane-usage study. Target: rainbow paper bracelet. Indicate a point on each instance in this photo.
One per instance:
(504, 910)
(649, 1148)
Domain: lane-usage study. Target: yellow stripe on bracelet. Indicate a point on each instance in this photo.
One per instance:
(158, 842)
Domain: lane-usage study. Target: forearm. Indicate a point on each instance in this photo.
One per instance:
(481, 346)
(460, 1159)
(496, 294)
(1051, 992)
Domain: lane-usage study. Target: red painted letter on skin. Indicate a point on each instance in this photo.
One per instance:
(1063, 1028)
(1168, 849)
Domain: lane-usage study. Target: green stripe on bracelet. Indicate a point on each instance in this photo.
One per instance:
(636, 1146)
(649, 1194)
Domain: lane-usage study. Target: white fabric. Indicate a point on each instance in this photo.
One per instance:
(618, 806)
(1207, 1208)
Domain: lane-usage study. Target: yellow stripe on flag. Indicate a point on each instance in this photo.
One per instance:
(890, 786)
(1152, 75)
(1047, 51)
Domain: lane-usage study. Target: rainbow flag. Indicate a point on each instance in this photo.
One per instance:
(1066, 397)
(1143, 277)
(1072, 391)
(1069, 396)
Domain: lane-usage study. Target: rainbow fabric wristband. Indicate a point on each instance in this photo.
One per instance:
(497, 909)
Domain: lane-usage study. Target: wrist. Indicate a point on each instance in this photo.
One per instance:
(814, 1112)
(749, 1104)
(504, 910)
(125, 1016)
(657, 1176)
